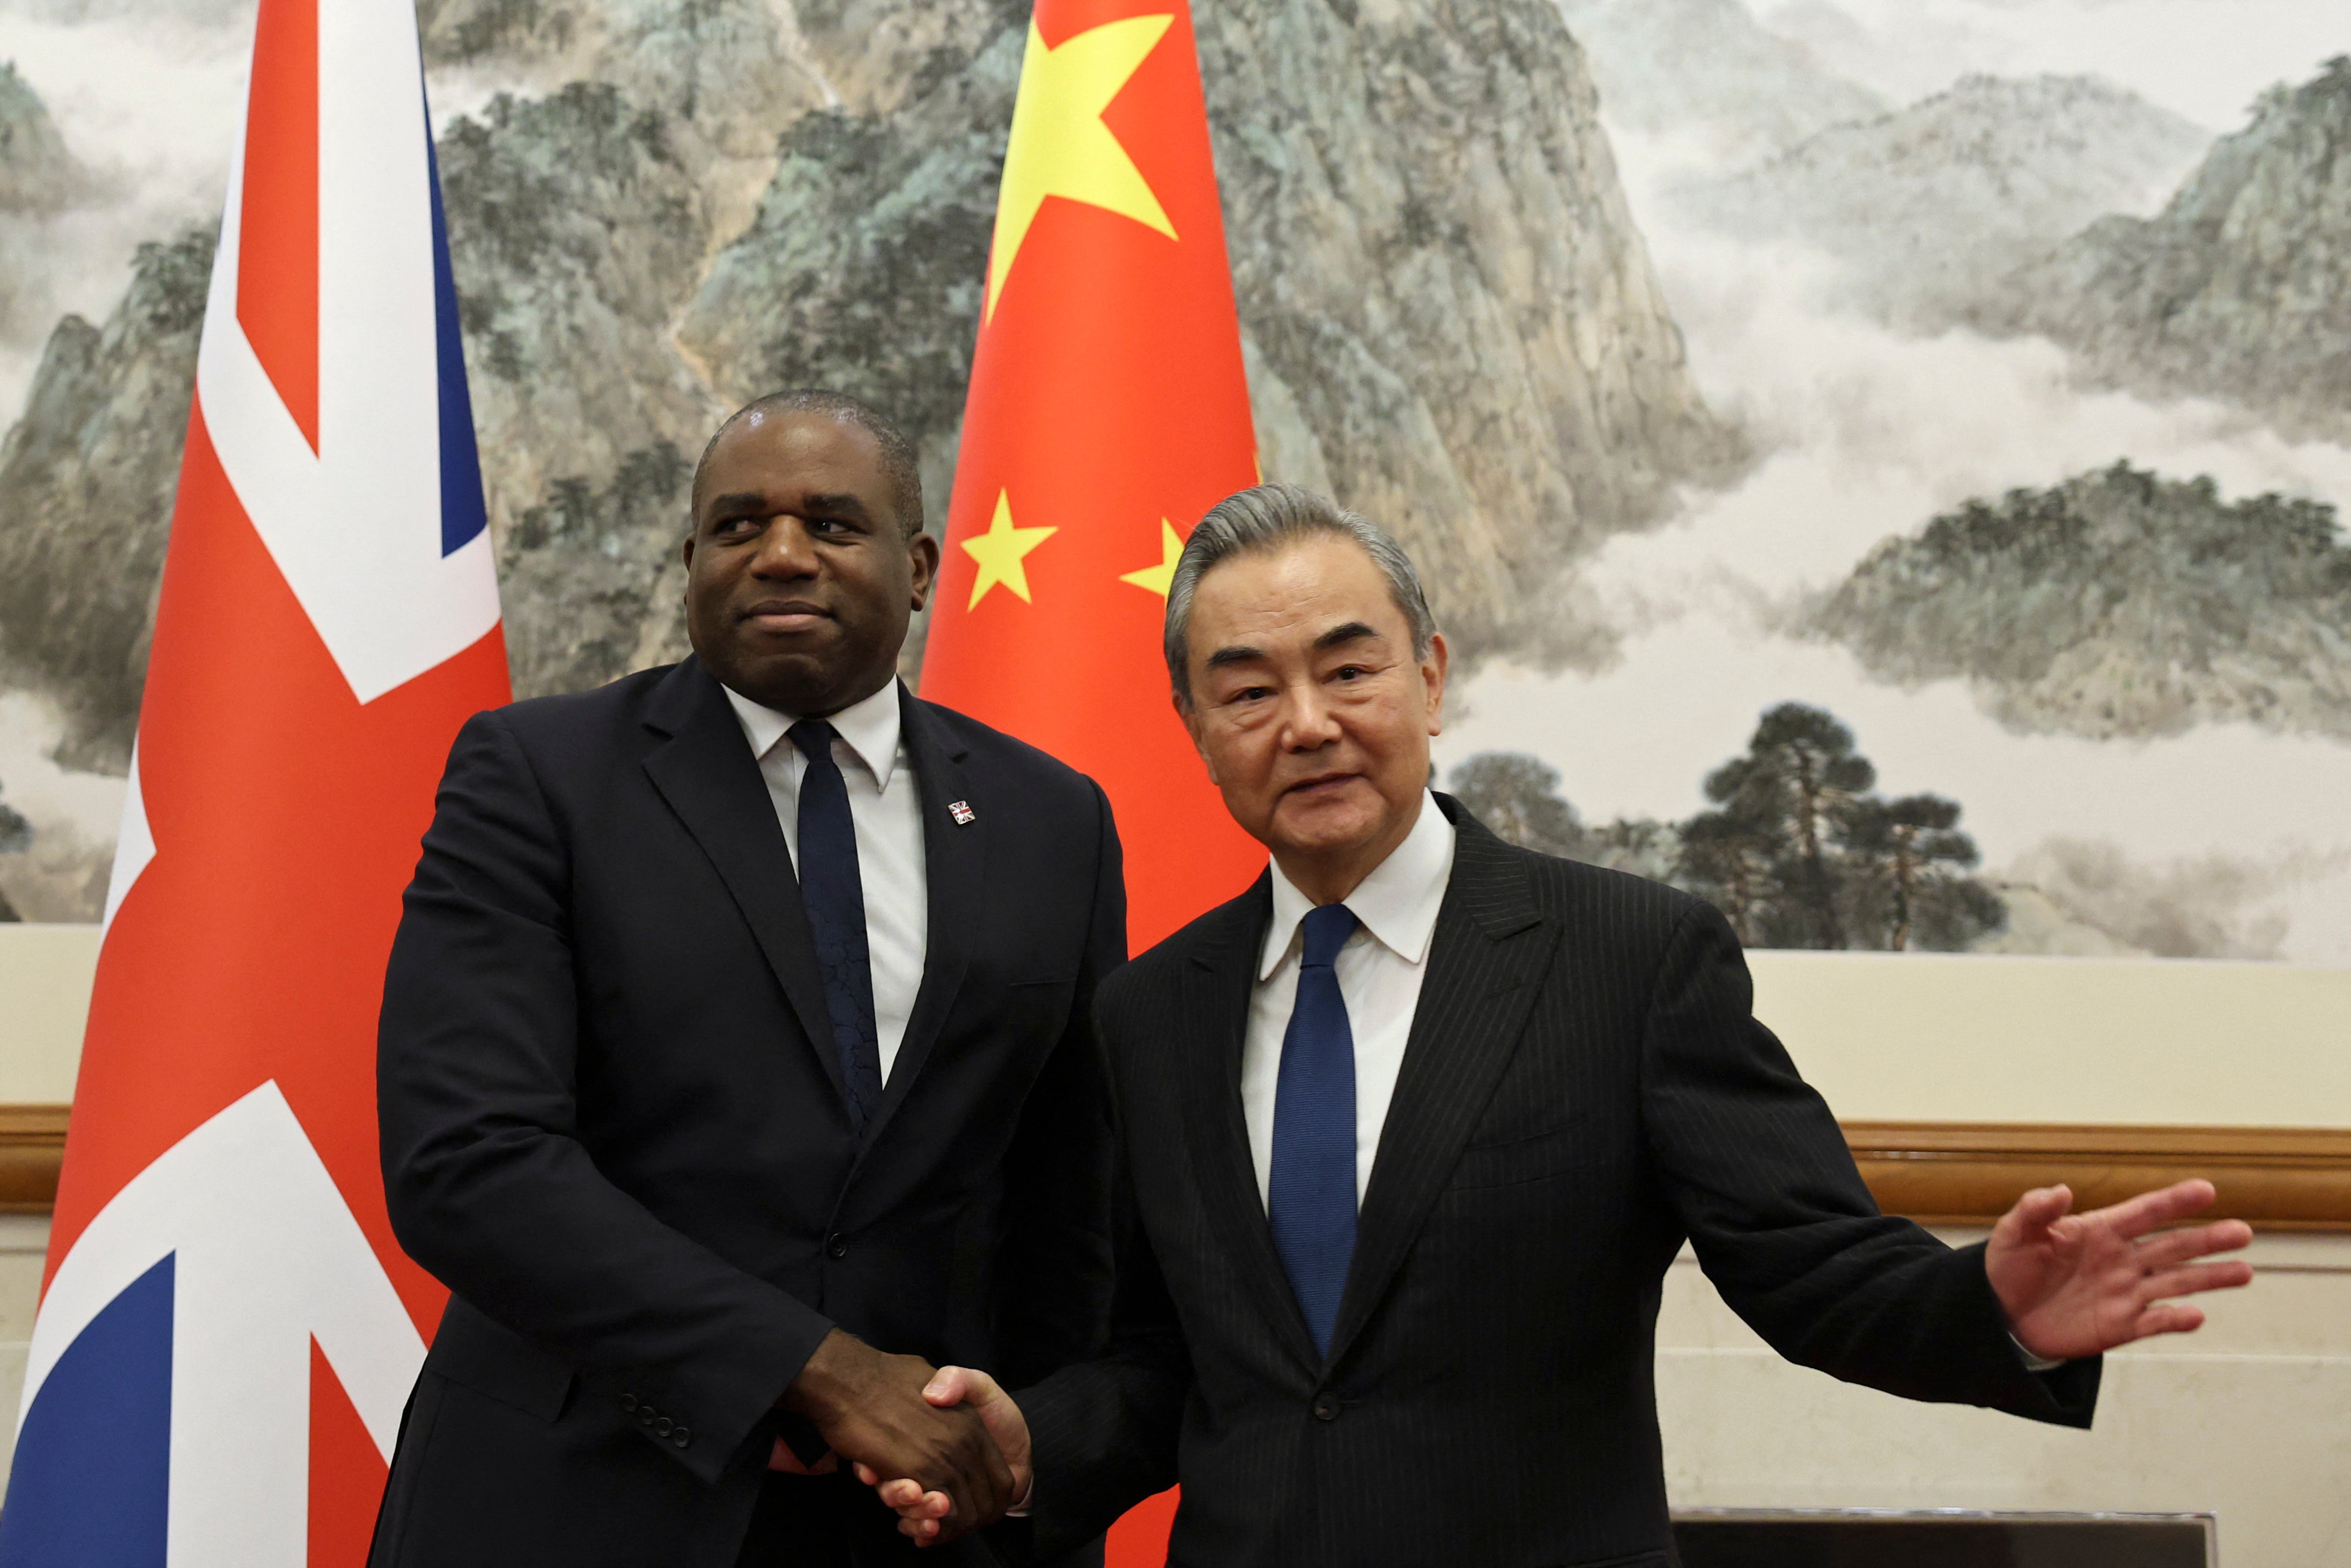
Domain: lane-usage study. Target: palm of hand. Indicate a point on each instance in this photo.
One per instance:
(2081, 1281)
(2077, 1285)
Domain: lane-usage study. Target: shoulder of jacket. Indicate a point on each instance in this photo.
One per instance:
(565, 715)
(1591, 897)
(992, 748)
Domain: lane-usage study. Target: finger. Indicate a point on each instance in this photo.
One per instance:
(950, 1385)
(2166, 1317)
(2135, 1217)
(2035, 1212)
(2167, 1248)
(909, 1501)
(2195, 1277)
(867, 1474)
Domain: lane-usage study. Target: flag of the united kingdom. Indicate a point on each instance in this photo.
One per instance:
(227, 1330)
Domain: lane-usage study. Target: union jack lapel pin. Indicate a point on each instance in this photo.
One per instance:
(962, 813)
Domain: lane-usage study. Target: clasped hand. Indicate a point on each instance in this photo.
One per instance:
(927, 1516)
(890, 1417)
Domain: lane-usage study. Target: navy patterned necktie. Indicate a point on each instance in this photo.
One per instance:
(1311, 1192)
(834, 895)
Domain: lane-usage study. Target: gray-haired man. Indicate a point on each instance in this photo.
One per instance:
(1414, 1127)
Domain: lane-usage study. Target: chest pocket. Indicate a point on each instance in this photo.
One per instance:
(1537, 1158)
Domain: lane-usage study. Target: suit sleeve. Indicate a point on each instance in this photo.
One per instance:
(1056, 1261)
(1782, 1224)
(1104, 1432)
(488, 1184)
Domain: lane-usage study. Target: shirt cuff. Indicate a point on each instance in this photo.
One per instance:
(1029, 1496)
(2036, 1365)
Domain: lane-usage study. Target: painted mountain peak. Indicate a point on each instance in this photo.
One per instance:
(1931, 206)
(2240, 288)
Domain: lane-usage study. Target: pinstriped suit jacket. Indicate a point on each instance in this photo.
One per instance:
(1584, 1087)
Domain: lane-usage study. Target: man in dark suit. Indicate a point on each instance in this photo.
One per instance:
(736, 1063)
(1414, 1127)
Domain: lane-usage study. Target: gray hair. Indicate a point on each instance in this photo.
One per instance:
(1263, 519)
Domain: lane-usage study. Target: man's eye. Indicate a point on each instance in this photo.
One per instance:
(1349, 673)
(1252, 693)
(827, 526)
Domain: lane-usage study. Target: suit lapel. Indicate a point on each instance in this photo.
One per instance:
(954, 861)
(1210, 1037)
(1485, 966)
(705, 771)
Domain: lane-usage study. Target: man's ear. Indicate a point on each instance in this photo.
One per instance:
(923, 563)
(1432, 670)
(687, 554)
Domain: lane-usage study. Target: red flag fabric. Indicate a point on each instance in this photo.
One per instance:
(1107, 411)
(229, 1330)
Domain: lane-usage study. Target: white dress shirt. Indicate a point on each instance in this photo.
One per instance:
(886, 807)
(1379, 970)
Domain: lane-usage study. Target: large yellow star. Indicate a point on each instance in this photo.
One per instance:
(1158, 578)
(1000, 551)
(1059, 146)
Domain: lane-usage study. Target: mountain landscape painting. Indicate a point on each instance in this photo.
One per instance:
(1880, 464)
(2026, 626)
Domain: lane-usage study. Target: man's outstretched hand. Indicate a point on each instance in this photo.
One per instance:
(924, 1515)
(2080, 1284)
(872, 1408)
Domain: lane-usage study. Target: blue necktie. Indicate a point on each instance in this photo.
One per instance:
(835, 896)
(1310, 1194)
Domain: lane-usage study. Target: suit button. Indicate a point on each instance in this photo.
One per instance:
(629, 1402)
(682, 1435)
(644, 1415)
(1326, 1408)
(836, 1245)
(662, 1426)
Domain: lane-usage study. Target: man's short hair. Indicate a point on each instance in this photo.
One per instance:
(901, 465)
(1263, 519)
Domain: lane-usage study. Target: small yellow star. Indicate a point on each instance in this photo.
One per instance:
(1000, 551)
(1158, 578)
(1059, 146)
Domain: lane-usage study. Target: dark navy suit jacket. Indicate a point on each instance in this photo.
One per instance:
(614, 1124)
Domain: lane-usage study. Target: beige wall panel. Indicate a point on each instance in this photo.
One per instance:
(44, 978)
(1913, 1037)
(1922, 1037)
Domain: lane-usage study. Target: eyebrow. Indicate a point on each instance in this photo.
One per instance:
(1350, 631)
(756, 504)
(1239, 653)
(1338, 636)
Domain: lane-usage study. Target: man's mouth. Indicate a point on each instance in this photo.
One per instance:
(785, 615)
(1321, 783)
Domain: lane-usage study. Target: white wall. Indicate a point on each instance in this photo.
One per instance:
(2248, 1418)
(24, 1239)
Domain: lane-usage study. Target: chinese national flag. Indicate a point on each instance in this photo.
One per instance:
(1107, 411)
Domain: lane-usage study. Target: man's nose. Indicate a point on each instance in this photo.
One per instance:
(1309, 723)
(786, 550)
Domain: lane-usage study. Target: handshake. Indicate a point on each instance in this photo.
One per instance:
(944, 1448)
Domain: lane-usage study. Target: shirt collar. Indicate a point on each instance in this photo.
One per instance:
(1397, 904)
(868, 727)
